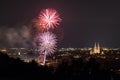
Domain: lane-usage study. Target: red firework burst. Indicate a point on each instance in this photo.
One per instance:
(49, 18)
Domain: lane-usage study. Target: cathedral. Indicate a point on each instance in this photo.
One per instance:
(96, 49)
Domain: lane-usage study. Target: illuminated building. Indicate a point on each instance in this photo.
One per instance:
(4, 50)
(107, 49)
(96, 49)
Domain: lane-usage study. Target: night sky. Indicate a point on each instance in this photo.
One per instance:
(83, 21)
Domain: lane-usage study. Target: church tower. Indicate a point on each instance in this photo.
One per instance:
(96, 49)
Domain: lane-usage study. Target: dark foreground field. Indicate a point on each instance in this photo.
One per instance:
(15, 69)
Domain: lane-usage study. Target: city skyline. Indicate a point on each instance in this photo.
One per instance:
(59, 40)
(83, 22)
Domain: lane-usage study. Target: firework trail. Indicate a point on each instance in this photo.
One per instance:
(49, 18)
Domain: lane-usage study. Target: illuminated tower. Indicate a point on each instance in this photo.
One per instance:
(95, 48)
(98, 48)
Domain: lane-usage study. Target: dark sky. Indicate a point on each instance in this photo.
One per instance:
(83, 21)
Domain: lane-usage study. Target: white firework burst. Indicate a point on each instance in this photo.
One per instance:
(48, 43)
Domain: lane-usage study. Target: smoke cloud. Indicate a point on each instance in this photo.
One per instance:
(15, 37)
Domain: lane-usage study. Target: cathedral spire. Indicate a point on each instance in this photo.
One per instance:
(95, 46)
(96, 49)
(98, 46)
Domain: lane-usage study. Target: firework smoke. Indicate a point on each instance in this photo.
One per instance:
(15, 37)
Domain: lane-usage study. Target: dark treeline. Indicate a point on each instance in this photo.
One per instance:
(15, 69)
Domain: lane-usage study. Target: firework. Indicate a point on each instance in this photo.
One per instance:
(47, 44)
(49, 18)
